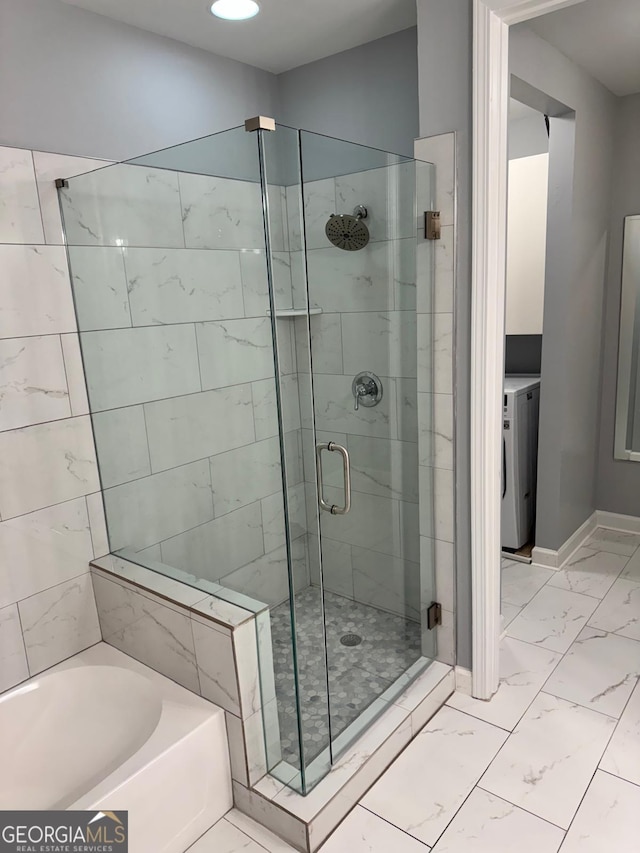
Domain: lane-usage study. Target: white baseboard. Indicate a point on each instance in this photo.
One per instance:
(554, 559)
(617, 521)
(463, 680)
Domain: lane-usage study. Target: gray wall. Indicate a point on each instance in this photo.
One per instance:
(576, 254)
(527, 137)
(368, 94)
(618, 481)
(444, 73)
(79, 83)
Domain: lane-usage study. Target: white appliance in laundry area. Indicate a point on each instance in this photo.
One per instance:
(519, 459)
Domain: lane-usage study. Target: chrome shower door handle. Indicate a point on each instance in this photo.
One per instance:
(332, 447)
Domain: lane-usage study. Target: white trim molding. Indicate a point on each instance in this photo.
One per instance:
(492, 19)
(555, 559)
(617, 521)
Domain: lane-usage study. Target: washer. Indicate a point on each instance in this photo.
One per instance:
(519, 459)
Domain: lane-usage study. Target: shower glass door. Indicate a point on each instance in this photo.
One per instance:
(358, 618)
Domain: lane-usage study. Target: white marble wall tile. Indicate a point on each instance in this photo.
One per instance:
(160, 588)
(98, 524)
(182, 429)
(548, 761)
(607, 818)
(443, 496)
(237, 749)
(488, 824)
(599, 671)
(337, 567)
(319, 205)
(409, 515)
(264, 406)
(245, 651)
(59, 622)
(407, 403)
(427, 503)
(129, 366)
(405, 275)
(379, 466)
(44, 548)
(326, 343)
(123, 205)
(235, 351)
(13, 657)
(219, 213)
(149, 510)
(523, 671)
(352, 281)
(212, 550)
(372, 523)
(293, 197)
(442, 353)
(266, 579)
(422, 804)
(553, 618)
(49, 167)
(445, 638)
(278, 226)
(34, 291)
(437, 561)
(255, 284)
(589, 572)
(273, 517)
(425, 356)
(216, 667)
(158, 636)
(182, 285)
(619, 611)
(20, 220)
(240, 477)
(364, 831)
(388, 193)
(334, 408)
(99, 287)
(64, 449)
(383, 342)
(440, 150)
(521, 581)
(33, 382)
(613, 541)
(387, 583)
(74, 370)
(286, 347)
(121, 443)
(622, 756)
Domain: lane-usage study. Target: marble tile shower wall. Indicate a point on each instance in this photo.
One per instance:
(170, 283)
(51, 515)
(368, 299)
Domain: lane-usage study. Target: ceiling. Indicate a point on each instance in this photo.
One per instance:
(603, 36)
(286, 33)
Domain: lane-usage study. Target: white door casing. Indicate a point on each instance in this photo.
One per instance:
(492, 19)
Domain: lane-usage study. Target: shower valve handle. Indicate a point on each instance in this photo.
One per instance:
(366, 389)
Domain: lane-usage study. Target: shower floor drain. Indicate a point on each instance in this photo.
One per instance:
(351, 640)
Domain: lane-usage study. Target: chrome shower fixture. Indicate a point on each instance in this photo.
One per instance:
(348, 232)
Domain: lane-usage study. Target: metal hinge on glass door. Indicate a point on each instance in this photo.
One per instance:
(332, 447)
(434, 615)
(432, 225)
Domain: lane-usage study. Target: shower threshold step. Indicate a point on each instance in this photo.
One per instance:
(295, 312)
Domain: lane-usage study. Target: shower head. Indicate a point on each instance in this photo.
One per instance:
(348, 232)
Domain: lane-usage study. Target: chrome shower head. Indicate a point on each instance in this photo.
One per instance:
(348, 232)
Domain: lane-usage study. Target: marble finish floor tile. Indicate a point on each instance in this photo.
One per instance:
(553, 619)
(589, 572)
(257, 832)
(524, 668)
(619, 611)
(364, 832)
(357, 674)
(521, 581)
(631, 570)
(599, 671)
(488, 824)
(508, 613)
(224, 837)
(608, 818)
(423, 789)
(547, 763)
(622, 757)
(613, 541)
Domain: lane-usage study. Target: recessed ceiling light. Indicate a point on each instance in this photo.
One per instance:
(235, 10)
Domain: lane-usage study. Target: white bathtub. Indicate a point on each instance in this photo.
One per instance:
(102, 731)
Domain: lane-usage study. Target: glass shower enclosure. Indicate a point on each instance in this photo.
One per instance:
(247, 313)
